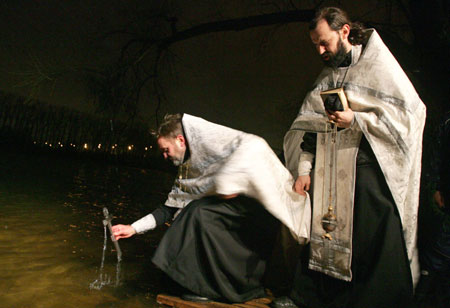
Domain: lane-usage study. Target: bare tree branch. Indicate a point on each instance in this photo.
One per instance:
(239, 24)
(157, 46)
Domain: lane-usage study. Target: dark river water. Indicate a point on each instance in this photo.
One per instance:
(52, 234)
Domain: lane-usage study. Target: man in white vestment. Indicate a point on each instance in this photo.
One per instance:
(362, 166)
(229, 190)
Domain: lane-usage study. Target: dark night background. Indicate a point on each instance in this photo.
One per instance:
(251, 78)
(97, 67)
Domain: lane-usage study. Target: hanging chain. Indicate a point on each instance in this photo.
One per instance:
(329, 220)
(180, 175)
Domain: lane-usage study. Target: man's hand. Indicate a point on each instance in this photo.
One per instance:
(123, 231)
(342, 119)
(439, 199)
(302, 184)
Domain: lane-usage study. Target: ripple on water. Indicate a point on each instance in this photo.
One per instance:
(52, 233)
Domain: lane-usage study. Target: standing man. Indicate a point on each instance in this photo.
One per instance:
(218, 243)
(366, 164)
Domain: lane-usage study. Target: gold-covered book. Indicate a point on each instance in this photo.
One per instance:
(334, 99)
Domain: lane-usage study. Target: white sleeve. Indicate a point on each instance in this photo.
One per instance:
(305, 163)
(144, 224)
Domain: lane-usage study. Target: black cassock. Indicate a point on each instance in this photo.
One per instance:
(219, 248)
(380, 266)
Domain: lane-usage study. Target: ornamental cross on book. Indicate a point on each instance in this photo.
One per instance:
(334, 99)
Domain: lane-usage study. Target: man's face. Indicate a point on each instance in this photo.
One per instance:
(173, 148)
(331, 45)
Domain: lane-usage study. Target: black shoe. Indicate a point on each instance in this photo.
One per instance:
(283, 302)
(195, 298)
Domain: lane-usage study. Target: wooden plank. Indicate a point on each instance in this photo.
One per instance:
(262, 300)
(255, 304)
(246, 305)
(177, 302)
(219, 305)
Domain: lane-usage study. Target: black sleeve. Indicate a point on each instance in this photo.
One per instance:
(163, 214)
(309, 143)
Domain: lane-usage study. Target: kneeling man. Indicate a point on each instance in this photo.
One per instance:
(229, 190)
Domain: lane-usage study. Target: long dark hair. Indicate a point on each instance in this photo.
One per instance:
(336, 19)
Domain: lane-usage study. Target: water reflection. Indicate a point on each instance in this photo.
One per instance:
(51, 232)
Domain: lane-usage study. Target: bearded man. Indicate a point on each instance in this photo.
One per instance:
(228, 183)
(366, 163)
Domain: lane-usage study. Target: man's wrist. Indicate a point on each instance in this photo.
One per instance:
(144, 224)
(305, 163)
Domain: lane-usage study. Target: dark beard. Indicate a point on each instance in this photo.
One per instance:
(336, 59)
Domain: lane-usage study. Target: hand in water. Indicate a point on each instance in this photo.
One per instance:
(123, 231)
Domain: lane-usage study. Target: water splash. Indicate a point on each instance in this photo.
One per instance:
(104, 279)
